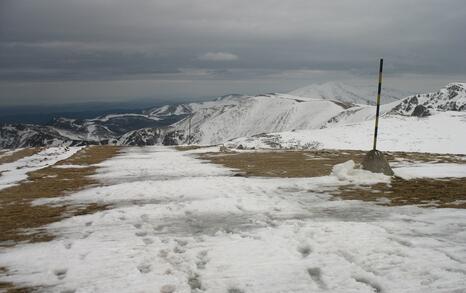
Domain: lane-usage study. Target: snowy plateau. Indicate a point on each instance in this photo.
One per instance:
(174, 223)
(171, 221)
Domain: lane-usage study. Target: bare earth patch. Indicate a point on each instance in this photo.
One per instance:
(446, 192)
(20, 221)
(187, 147)
(443, 193)
(16, 211)
(283, 163)
(19, 155)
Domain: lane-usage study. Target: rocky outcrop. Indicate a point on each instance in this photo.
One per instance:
(450, 98)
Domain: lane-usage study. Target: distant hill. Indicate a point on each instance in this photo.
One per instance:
(229, 117)
(362, 94)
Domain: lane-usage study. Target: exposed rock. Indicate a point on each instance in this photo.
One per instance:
(375, 162)
(420, 111)
(450, 98)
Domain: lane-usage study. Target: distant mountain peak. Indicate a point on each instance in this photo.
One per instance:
(348, 93)
(216, 121)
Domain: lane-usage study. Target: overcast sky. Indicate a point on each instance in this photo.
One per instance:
(57, 51)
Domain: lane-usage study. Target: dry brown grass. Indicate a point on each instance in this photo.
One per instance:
(19, 155)
(17, 214)
(444, 193)
(16, 211)
(309, 163)
(283, 163)
(441, 193)
(187, 147)
(12, 288)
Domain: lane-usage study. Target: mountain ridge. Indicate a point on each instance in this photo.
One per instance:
(362, 94)
(224, 118)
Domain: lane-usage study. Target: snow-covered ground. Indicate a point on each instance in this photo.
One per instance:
(429, 170)
(178, 224)
(14, 172)
(440, 133)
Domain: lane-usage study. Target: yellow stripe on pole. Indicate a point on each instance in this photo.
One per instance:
(379, 91)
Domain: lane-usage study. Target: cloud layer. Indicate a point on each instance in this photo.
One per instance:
(218, 56)
(211, 42)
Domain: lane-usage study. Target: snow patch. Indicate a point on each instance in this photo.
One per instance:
(13, 173)
(348, 171)
(426, 170)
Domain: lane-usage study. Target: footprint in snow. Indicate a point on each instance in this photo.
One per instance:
(178, 250)
(88, 223)
(369, 283)
(167, 289)
(235, 290)
(141, 233)
(181, 242)
(194, 283)
(305, 250)
(144, 268)
(158, 228)
(316, 276)
(87, 234)
(147, 241)
(68, 245)
(60, 273)
(83, 256)
(202, 259)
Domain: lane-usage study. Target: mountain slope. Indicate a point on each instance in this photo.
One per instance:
(440, 133)
(251, 115)
(450, 98)
(226, 118)
(401, 126)
(24, 135)
(364, 94)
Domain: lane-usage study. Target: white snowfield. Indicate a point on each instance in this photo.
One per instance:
(427, 170)
(333, 104)
(236, 116)
(178, 224)
(358, 94)
(439, 133)
(12, 173)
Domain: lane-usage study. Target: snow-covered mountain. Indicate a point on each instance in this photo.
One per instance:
(440, 133)
(248, 115)
(100, 130)
(24, 135)
(361, 94)
(430, 122)
(450, 98)
(226, 118)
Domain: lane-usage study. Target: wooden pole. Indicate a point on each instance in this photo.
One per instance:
(377, 113)
(189, 131)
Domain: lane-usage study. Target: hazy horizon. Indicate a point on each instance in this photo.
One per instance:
(118, 51)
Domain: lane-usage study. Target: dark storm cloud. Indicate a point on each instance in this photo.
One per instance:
(56, 40)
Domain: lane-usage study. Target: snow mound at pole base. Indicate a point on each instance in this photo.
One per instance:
(350, 172)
